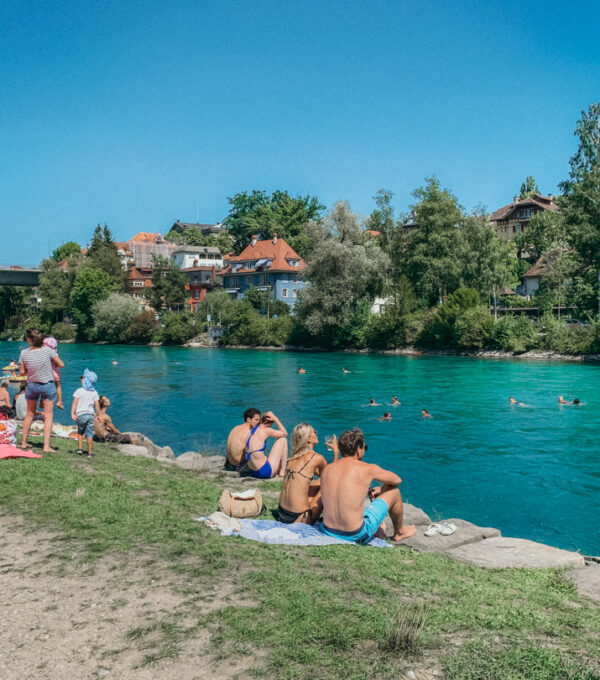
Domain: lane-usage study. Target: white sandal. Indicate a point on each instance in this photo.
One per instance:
(433, 529)
(448, 529)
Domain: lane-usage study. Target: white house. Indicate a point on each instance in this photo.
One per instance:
(186, 257)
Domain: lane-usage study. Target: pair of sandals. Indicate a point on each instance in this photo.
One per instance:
(445, 529)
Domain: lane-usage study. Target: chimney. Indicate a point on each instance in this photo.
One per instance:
(515, 199)
(253, 240)
(550, 197)
(274, 237)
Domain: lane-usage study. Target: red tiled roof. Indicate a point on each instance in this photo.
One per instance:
(543, 202)
(536, 270)
(372, 232)
(278, 253)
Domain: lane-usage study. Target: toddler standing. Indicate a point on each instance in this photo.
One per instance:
(85, 407)
(53, 344)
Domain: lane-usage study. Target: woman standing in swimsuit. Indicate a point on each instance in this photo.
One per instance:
(300, 498)
(259, 465)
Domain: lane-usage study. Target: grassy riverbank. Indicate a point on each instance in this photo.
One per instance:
(301, 613)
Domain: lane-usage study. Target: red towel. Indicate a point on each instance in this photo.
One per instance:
(9, 451)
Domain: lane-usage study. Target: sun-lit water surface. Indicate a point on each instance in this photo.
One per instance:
(532, 471)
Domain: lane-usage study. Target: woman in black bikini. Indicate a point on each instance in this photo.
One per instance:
(300, 498)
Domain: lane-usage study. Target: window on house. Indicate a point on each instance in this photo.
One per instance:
(525, 212)
(137, 284)
(196, 294)
(518, 228)
(235, 281)
(294, 293)
(284, 292)
(265, 279)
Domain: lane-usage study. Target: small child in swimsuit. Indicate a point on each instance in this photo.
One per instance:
(53, 344)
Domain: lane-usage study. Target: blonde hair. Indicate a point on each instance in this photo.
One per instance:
(300, 435)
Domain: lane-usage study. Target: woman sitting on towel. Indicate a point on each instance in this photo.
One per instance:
(300, 498)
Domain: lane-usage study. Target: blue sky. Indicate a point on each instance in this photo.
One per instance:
(136, 114)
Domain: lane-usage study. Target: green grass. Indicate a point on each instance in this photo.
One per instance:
(303, 613)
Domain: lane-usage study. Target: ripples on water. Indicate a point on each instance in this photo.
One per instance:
(531, 471)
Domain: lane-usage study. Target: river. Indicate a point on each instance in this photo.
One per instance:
(532, 471)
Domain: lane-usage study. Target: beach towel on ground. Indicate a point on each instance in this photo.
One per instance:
(269, 531)
(8, 451)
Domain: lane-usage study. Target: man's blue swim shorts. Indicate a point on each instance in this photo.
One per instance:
(373, 516)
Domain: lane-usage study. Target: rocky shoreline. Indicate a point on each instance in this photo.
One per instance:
(480, 546)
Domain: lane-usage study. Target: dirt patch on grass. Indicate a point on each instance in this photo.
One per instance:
(125, 616)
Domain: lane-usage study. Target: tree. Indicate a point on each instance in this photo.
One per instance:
(218, 304)
(261, 215)
(545, 230)
(103, 255)
(168, 285)
(382, 218)
(561, 265)
(114, 316)
(177, 328)
(144, 327)
(90, 286)
(12, 302)
(65, 250)
(344, 273)
(55, 288)
(528, 188)
(263, 302)
(431, 259)
(485, 258)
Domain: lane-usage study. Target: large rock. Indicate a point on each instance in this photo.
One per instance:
(154, 451)
(515, 552)
(465, 533)
(587, 580)
(131, 450)
(190, 460)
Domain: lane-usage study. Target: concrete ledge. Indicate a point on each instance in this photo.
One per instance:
(466, 533)
(497, 553)
(587, 580)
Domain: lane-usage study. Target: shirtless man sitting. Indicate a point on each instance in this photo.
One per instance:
(344, 485)
(104, 428)
(235, 459)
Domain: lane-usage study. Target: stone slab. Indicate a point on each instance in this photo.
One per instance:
(190, 460)
(497, 553)
(465, 533)
(412, 515)
(587, 580)
(132, 450)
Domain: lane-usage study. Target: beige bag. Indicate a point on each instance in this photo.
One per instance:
(247, 503)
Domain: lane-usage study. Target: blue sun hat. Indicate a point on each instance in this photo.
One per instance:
(89, 380)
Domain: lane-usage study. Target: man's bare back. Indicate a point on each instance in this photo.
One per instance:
(236, 444)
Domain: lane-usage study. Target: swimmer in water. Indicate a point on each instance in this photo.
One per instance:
(301, 370)
(372, 402)
(345, 371)
(395, 401)
(425, 413)
(575, 402)
(386, 416)
(514, 402)
(114, 363)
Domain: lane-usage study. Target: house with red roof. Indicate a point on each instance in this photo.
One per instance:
(514, 218)
(271, 265)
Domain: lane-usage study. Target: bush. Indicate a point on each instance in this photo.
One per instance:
(113, 317)
(515, 334)
(63, 331)
(143, 328)
(246, 326)
(556, 336)
(177, 328)
(474, 328)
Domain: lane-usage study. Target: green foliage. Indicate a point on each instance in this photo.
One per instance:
(66, 250)
(168, 285)
(55, 289)
(114, 316)
(63, 331)
(474, 328)
(218, 304)
(143, 328)
(103, 255)
(259, 214)
(432, 258)
(90, 286)
(344, 274)
(177, 328)
(382, 218)
(263, 302)
(528, 188)
(246, 326)
(546, 231)
(12, 304)
(557, 336)
(515, 333)
(390, 328)
(442, 328)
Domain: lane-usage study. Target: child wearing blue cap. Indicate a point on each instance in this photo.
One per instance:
(85, 407)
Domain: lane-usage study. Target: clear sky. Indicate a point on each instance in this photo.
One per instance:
(138, 113)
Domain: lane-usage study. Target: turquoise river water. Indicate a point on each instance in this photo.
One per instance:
(532, 471)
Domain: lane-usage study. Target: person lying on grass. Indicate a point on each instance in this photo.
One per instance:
(300, 497)
(344, 485)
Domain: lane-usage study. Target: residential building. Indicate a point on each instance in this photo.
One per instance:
(125, 254)
(197, 256)
(514, 218)
(144, 246)
(139, 279)
(270, 265)
(204, 229)
(531, 279)
(201, 280)
(410, 222)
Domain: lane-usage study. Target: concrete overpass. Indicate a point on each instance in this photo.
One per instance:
(12, 275)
